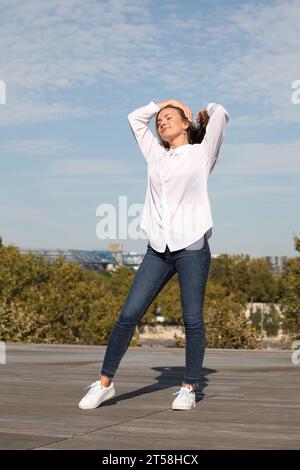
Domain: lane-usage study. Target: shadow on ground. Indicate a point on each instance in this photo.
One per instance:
(169, 377)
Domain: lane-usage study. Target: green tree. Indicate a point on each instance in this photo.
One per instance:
(226, 323)
(169, 302)
(60, 302)
(251, 277)
(290, 300)
(57, 302)
(270, 321)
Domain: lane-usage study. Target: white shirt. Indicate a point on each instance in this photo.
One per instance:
(177, 208)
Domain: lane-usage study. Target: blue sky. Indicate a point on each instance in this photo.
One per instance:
(74, 70)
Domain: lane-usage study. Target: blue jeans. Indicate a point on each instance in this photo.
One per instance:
(153, 274)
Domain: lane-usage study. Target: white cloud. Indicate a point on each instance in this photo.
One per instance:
(36, 147)
(27, 111)
(260, 159)
(245, 53)
(101, 167)
(23, 213)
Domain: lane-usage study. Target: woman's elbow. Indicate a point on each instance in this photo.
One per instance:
(224, 110)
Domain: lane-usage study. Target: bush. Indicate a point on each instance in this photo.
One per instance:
(225, 320)
(59, 302)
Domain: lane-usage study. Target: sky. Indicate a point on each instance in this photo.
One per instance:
(74, 70)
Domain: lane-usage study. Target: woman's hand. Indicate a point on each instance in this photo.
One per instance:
(187, 111)
(203, 117)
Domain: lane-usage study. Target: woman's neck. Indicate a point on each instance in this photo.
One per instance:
(178, 142)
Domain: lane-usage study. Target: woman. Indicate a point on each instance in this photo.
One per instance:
(177, 221)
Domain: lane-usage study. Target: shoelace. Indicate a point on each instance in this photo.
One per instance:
(183, 391)
(91, 387)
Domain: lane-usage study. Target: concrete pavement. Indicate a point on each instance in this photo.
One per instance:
(249, 400)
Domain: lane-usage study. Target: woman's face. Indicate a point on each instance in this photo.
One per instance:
(170, 124)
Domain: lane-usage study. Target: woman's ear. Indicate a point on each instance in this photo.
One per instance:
(187, 124)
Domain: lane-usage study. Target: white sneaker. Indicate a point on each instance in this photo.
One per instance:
(185, 400)
(96, 395)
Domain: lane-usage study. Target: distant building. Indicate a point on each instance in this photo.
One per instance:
(132, 259)
(117, 250)
(89, 259)
(276, 263)
(106, 260)
(252, 307)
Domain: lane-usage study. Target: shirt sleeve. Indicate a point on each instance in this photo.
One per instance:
(139, 120)
(215, 132)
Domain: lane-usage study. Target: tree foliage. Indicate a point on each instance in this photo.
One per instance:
(53, 302)
(290, 299)
(61, 302)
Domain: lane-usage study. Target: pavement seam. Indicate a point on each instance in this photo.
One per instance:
(98, 429)
(109, 426)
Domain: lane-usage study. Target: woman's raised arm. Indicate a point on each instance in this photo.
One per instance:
(139, 120)
(215, 132)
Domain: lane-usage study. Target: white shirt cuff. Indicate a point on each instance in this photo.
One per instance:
(210, 107)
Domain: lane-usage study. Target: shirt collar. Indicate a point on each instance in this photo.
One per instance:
(179, 150)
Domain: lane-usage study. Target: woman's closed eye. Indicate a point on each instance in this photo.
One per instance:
(168, 119)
